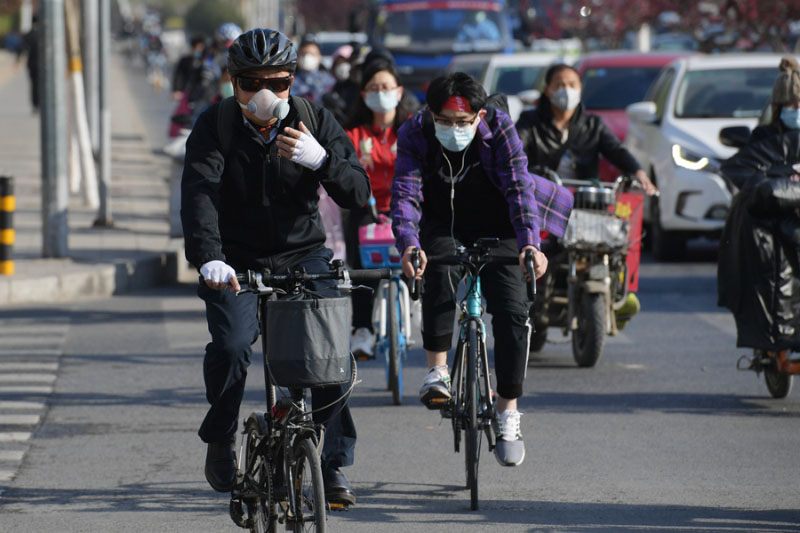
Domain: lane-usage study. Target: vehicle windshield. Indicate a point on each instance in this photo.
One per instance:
(515, 79)
(724, 93)
(442, 30)
(615, 87)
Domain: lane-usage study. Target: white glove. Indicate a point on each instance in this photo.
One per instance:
(217, 272)
(307, 151)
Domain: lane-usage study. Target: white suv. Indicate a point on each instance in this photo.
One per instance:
(674, 135)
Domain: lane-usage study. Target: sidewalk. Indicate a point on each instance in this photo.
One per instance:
(137, 252)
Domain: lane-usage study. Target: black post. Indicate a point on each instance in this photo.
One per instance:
(7, 207)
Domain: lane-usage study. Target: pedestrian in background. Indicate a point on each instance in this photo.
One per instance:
(188, 66)
(345, 92)
(372, 127)
(30, 49)
(310, 81)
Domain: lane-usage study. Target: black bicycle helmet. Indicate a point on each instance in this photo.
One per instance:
(261, 48)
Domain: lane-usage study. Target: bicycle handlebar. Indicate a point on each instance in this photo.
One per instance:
(262, 282)
(415, 261)
(477, 259)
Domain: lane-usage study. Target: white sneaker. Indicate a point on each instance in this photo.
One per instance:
(435, 390)
(362, 343)
(510, 449)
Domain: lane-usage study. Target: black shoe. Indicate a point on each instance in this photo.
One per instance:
(221, 465)
(337, 489)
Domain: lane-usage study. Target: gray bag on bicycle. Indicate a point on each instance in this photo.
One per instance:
(308, 342)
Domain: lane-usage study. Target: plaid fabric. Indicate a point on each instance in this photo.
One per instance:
(534, 203)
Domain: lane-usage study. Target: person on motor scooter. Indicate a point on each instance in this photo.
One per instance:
(759, 255)
(461, 175)
(561, 136)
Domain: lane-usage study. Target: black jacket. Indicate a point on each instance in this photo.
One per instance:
(253, 207)
(758, 272)
(588, 138)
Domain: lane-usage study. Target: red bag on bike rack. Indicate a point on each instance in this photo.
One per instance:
(308, 342)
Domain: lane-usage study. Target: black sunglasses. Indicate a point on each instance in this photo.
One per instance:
(252, 85)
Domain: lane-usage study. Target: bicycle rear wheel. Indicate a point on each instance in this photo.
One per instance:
(472, 429)
(308, 492)
(395, 362)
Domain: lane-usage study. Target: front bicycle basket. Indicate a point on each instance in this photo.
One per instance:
(591, 229)
(308, 342)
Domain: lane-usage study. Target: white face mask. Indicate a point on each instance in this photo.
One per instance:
(454, 138)
(308, 62)
(342, 71)
(381, 101)
(266, 105)
(566, 98)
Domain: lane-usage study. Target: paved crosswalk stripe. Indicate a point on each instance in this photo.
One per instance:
(6, 475)
(29, 351)
(19, 420)
(30, 389)
(8, 406)
(4, 367)
(27, 378)
(15, 436)
(11, 455)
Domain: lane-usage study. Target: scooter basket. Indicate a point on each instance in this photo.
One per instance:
(590, 229)
(308, 342)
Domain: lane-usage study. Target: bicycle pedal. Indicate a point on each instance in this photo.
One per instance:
(338, 506)
(437, 403)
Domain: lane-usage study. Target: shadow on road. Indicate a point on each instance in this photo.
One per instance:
(668, 403)
(420, 504)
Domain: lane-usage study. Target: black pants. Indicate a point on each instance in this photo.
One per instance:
(506, 296)
(233, 324)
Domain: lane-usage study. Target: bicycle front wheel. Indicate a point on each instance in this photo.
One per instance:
(394, 362)
(261, 510)
(308, 490)
(473, 431)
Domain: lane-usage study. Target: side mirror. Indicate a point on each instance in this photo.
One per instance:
(529, 97)
(642, 112)
(734, 136)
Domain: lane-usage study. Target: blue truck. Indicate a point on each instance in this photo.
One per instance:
(423, 36)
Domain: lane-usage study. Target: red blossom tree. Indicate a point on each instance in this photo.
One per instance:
(743, 23)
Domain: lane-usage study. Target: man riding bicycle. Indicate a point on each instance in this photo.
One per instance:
(461, 175)
(251, 203)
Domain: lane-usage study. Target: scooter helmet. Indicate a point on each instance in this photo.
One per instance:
(228, 32)
(261, 48)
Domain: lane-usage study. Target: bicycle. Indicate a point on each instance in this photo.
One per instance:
(391, 316)
(471, 405)
(279, 473)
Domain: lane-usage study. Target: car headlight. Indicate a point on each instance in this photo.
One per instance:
(687, 159)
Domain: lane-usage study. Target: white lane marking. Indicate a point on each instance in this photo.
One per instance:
(30, 389)
(19, 420)
(28, 352)
(11, 455)
(27, 378)
(15, 436)
(5, 367)
(6, 475)
(20, 405)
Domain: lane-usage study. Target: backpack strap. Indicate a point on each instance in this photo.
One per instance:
(307, 114)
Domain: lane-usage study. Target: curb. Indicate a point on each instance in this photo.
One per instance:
(98, 281)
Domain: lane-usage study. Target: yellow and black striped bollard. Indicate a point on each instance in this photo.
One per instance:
(7, 206)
